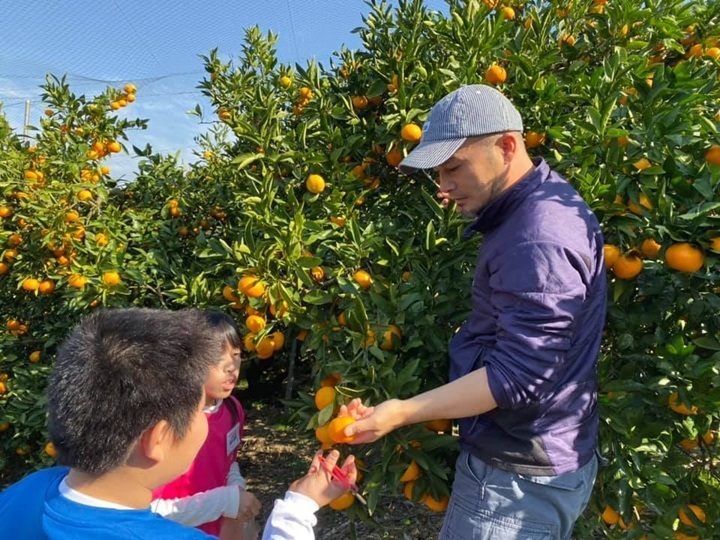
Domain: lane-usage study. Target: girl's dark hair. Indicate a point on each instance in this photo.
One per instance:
(119, 373)
(223, 326)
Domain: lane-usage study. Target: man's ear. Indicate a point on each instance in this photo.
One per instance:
(157, 441)
(509, 144)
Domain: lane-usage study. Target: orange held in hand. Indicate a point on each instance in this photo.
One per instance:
(336, 429)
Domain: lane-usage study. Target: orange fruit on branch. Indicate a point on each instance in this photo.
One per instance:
(684, 257)
(336, 429)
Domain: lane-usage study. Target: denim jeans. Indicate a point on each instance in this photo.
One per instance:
(492, 504)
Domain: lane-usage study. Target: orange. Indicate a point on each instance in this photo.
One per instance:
(369, 338)
(359, 102)
(611, 254)
(35, 356)
(324, 397)
(249, 342)
(336, 429)
(682, 536)
(285, 81)
(695, 509)
(84, 195)
(339, 221)
(684, 257)
(5, 211)
(708, 437)
(31, 284)
(72, 216)
(321, 434)
(533, 139)
(567, 39)
(715, 243)
(610, 516)
(408, 490)
(627, 266)
(411, 133)
(3, 388)
(4, 426)
(130, 88)
(713, 52)
(4, 268)
(278, 339)
(343, 502)
(77, 281)
(391, 337)
(394, 157)
(50, 449)
(342, 319)
(305, 93)
(255, 323)
(688, 444)
(315, 183)
(635, 209)
(434, 504)
(680, 408)
(229, 294)
(406, 276)
(439, 425)
(10, 254)
(251, 286)
(495, 74)
(317, 273)
(12, 324)
(302, 334)
(712, 155)
(265, 348)
(508, 13)
(650, 248)
(111, 278)
(275, 312)
(14, 240)
(642, 164)
(331, 380)
(363, 278)
(101, 239)
(114, 147)
(696, 51)
(413, 472)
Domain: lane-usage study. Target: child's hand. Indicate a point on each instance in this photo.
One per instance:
(249, 506)
(319, 485)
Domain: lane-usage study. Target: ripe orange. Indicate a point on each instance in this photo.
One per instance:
(684, 257)
(321, 434)
(359, 102)
(229, 294)
(14, 240)
(35, 356)
(680, 408)
(369, 338)
(101, 239)
(265, 348)
(114, 147)
(77, 281)
(5, 211)
(72, 216)
(495, 74)
(610, 516)
(50, 449)
(305, 93)
(567, 39)
(413, 472)
(251, 286)
(411, 133)
(315, 183)
(435, 505)
(440, 425)
(249, 342)
(84, 195)
(708, 437)
(336, 429)
(324, 397)
(650, 248)
(331, 380)
(394, 157)
(10, 254)
(317, 273)
(4, 426)
(642, 164)
(363, 278)
(130, 88)
(644, 201)
(508, 13)
(695, 509)
(408, 490)
(285, 81)
(302, 334)
(688, 444)
(278, 339)
(611, 254)
(712, 155)
(343, 502)
(275, 312)
(3, 388)
(391, 337)
(4, 268)
(339, 221)
(533, 139)
(715, 243)
(31, 284)
(111, 278)
(627, 266)
(255, 323)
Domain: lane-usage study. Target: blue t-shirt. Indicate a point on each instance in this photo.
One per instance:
(34, 509)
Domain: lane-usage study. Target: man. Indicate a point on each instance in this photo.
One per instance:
(523, 378)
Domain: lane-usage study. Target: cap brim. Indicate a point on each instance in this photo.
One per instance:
(430, 154)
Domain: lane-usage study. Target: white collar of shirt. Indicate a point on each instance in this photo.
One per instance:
(80, 498)
(212, 409)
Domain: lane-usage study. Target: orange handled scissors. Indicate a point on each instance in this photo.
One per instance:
(341, 476)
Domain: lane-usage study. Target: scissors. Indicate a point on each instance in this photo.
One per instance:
(341, 476)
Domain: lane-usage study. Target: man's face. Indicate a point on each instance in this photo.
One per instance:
(474, 176)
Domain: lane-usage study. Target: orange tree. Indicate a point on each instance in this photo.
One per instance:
(349, 277)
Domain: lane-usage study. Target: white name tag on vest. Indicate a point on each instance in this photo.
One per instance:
(233, 439)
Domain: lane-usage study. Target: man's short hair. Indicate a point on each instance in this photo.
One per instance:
(118, 374)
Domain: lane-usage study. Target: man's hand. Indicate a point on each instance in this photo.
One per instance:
(319, 485)
(372, 422)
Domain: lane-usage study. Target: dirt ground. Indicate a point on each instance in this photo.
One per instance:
(273, 455)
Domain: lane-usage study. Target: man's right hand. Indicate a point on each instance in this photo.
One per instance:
(372, 422)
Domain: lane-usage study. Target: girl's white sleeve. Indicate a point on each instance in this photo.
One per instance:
(200, 508)
(292, 518)
(234, 478)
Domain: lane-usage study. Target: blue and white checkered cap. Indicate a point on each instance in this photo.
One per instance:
(469, 111)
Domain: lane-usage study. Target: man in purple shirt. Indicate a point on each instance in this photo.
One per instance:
(523, 377)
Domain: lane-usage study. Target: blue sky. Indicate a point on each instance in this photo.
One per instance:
(155, 45)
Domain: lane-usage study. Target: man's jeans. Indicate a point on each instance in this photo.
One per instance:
(492, 504)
